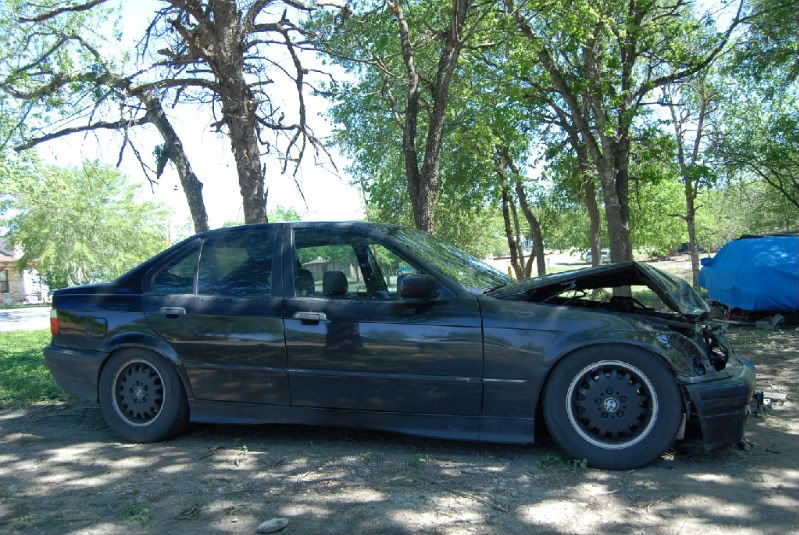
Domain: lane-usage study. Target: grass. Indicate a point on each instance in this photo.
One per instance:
(191, 512)
(137, 514)
(415, 461)
(24, 378)
(27, 520)
(550, 461)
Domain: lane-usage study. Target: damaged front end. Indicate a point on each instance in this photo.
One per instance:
(717, 385)
(719, 391)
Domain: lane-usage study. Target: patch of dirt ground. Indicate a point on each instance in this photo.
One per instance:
(63, 471)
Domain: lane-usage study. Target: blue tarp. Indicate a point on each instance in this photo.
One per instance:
(757, 274)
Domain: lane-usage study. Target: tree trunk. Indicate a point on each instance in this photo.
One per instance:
(615, 213)
(239, 108)
(239, 113)
(538, 244)
(621, 158)
(517, 234)
(535, 227)
(192, 187)
(518, 269)
(585, 177)
(690, 219)
(689, 183)
(423, 183)
(595, 232)
(423, 194)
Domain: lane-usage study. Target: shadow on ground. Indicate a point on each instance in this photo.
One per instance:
(62, 471)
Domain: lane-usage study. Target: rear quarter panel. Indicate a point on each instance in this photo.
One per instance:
(88, 321)
(102, 321)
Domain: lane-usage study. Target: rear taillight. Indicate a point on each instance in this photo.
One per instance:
(53, 322)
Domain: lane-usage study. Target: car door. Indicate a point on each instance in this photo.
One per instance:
(352, 343)
(213, 302)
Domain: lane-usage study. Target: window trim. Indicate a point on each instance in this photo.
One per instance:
(371, 239)
(6, 282)
(274, 288)
(156, 270)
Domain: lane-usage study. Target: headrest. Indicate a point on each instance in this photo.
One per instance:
(334, 283)
(303, 283)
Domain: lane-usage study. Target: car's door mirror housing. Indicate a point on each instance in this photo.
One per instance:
(417, 286)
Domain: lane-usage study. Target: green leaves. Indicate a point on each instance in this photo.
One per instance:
(81, 225)
(162, 154)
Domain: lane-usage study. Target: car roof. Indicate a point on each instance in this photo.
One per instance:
(362, 225)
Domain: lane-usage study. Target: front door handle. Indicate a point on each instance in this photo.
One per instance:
(310, 318)
(173, 312)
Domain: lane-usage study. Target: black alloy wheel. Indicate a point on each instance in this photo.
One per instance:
(616, 406)
(612, 404)
(138, 393)
(142, 397)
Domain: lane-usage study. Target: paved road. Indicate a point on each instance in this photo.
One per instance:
(24, 319)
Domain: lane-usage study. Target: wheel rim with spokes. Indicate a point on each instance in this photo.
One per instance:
(139, 393)
(612, 404)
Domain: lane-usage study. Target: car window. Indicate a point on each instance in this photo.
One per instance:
(237, 264)
(392, 266)
(453, 263)
(332, 258)
(342, 266)
(177, 276)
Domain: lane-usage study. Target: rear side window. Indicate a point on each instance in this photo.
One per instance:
(177, 276)
(237, 264)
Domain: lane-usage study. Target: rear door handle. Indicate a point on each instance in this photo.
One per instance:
(173, 312)
(310, 318)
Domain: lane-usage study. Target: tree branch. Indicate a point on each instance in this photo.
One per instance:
(101, 125)
(67, 9)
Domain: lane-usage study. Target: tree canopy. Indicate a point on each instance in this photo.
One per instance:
(79, 225)
(503, 126)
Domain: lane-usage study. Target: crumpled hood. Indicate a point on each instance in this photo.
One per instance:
(675, 293)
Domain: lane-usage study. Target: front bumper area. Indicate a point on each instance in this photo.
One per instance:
(722, 405)
(75, 371)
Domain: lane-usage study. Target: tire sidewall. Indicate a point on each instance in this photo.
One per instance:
(172, 409)
(667, 419)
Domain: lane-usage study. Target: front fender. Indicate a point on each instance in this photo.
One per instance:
(637, 338)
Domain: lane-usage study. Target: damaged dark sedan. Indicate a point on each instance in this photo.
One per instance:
(383, 327)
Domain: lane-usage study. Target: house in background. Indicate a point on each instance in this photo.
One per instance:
(16, 287)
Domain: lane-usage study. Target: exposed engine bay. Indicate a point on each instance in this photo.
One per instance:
(667, 303)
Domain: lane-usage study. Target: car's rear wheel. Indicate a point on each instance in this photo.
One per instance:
(141, 396)
(618, 407)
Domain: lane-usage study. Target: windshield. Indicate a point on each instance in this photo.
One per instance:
(688, 301)
(468, 271)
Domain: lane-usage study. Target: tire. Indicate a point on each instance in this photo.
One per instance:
(616, 406)
(142, 397)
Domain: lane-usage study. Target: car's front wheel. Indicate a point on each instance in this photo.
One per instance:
(618, 407)
(141, 396)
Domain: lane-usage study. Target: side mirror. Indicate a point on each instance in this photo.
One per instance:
(415, 286)
(706, 261)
